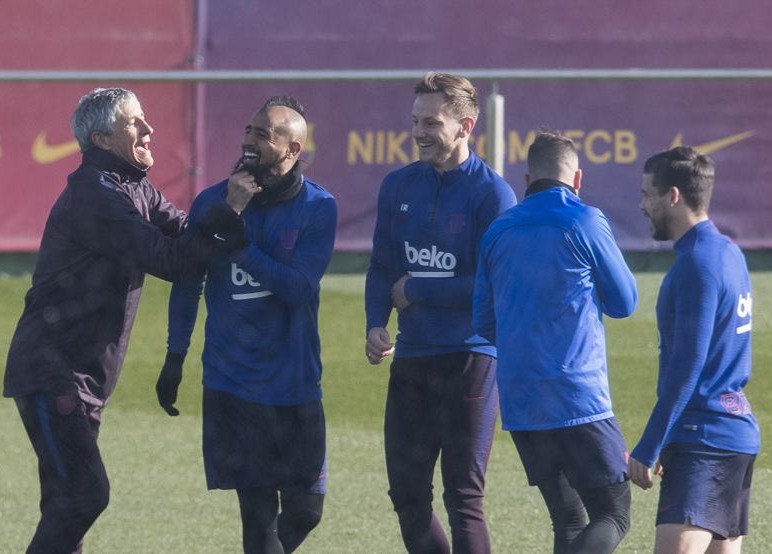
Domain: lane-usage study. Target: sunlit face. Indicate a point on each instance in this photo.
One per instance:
(439, 135)
(655, 206)
(266, 144)
(131, 136)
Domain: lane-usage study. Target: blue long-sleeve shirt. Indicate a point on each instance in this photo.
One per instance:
(704, 324)
(429, 226)
(549, 269)
(261, 336)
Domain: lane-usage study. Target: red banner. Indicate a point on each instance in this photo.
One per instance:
(37, 150)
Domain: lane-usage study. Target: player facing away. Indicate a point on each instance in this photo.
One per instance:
(549, 270)
(107, 229)
(442, 392)
(263, 421)
(702, 436)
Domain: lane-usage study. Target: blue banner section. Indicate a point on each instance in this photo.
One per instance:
(361, 130)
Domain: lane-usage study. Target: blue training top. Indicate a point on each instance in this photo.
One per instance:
(262, 336)
(704, 324)
(549, 269)
(429, 225)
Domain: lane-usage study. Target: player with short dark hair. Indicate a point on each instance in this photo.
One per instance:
(442, 392)
(264, 427)
(702, 436)
(107, 229)
(286, 101)
(549, 269)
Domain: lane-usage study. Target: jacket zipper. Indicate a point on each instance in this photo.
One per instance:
(436, 199)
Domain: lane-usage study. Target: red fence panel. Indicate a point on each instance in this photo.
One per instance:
(37, 150)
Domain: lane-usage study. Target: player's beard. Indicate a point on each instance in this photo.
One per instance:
(660, 227)
(263, 173)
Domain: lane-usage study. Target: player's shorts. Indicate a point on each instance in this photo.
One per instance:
(249, 445)
(590, 455)
(706, 488)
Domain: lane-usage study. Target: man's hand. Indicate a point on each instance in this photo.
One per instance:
(241, 188)
(398, 297)
(223, 225)
(378, 345)
(640, 474)
(169, 381)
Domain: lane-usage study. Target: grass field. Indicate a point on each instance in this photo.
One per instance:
(159, 503)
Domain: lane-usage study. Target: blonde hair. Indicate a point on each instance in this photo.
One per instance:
(459, 93)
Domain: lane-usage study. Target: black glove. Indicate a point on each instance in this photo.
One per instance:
(223, 226)
(169, 382)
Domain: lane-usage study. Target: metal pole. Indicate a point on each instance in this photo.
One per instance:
(494, 130)
(383, 75)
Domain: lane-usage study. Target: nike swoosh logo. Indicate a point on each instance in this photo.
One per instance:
(218, 237)
(714, 145)
(45, 153)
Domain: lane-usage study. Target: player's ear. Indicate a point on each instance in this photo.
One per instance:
(675, 196)
(467, 125)
(101, 140)
(294, 148)
(577, 180)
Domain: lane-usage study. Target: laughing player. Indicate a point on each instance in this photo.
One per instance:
(264, 428)
(106, 230)
(442, 392)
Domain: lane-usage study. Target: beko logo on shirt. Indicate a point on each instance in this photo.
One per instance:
(433, 258)
(744, 310)
(241, 278)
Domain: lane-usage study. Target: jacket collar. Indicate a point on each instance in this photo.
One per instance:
(541, 185)
(282, 190)
(685, 242)
(107, 161)
(464, 169)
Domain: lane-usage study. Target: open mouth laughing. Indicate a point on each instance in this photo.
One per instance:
(250, 157)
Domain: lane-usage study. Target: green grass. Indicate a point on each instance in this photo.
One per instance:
(159, 503)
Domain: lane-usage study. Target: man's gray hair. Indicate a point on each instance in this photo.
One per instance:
(97, 112)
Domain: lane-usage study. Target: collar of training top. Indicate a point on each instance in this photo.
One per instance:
(540, 185)
(106, 160)
(284, 189)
